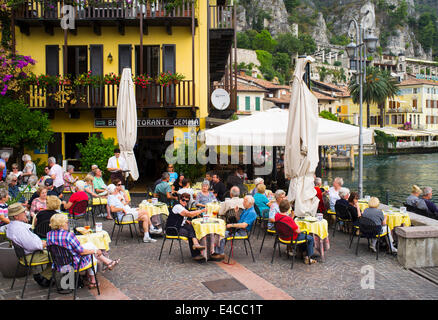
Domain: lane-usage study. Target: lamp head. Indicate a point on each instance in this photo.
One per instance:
(351, 49)
(370, 41)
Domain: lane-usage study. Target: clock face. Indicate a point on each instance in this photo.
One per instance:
(220, 99)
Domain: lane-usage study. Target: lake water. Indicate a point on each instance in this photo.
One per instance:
(395, 173)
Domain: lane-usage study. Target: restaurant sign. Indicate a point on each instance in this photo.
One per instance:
(152, 122)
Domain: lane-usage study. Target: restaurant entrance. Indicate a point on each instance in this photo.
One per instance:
(149, 152)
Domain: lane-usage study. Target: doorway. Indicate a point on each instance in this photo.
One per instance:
(149, 152)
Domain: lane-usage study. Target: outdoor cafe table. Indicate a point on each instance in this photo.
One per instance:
(214, 229)
(213, 208)
(154, 209)
(100, 239)
(319, 229)
(393, 216)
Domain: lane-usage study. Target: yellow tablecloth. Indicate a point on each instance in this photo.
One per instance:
(363, 206)
(100, 239)
(249, 186)
(212, 207)
(202, 229)
(320, 228)
(99, 201)
(396, 219)
(154, 210)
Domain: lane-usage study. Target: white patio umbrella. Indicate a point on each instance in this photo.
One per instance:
(269, 128)
(127, 121)
(301, 152)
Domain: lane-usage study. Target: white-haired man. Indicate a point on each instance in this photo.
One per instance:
(57, 174)
(231, 203)
(243, 226)
(4, 159)
(79, 195)
(333, 192)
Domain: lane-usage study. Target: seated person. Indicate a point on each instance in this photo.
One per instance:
(237, 179)
(77, 196)
(344, 194)
(39, 203)
(51, 190)
(231, 203)
(99, 184)
(414, 196)
(178, 183)
(243, 226)
(52, 207)
(125, 213)
(172, 174)
(60, 236)
(89, 187)
(219, 189)
(163, 190)
(319, 192)
(19, 232)
(69, 181)
(353, 200)
(280, 195)
(262, 201)
(377, 216)
(257, 181)
(17, 173)
(297, 235)
(44, 177)
(4, 220)
(178, 219)
(204, 196)
(14, 192)
(333, 192)
(186, 189)
(425, 203)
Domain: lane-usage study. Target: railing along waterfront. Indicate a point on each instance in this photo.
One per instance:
(221, 17)
(416, 144)
(104, 9)
(153, 95)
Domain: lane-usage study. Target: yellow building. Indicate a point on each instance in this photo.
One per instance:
(192, 38)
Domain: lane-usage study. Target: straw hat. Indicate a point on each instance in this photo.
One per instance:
(15, 209)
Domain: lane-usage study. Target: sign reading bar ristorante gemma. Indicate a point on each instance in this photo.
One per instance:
(152, 122)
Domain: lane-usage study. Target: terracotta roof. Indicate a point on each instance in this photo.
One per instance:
(411, 80)
(248, 87)
(284, 99)
(322, 96)
(263, 83)
(340, 91)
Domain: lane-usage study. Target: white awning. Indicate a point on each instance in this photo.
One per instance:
(269, 128)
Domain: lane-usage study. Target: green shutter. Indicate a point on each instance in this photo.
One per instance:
(257, 107)
(237, 103)
(247, 103)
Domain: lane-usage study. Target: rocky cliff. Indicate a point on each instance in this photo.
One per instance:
(395, 22)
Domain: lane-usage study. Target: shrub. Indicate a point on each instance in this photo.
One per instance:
(97, 150)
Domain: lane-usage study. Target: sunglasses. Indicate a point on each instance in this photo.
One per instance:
(185, 200)
(119, 184)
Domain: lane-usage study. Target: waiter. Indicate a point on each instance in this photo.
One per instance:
(116, 165)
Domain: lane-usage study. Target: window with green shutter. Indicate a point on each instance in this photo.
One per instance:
(237, 103)
(257, 106)
(247, 103)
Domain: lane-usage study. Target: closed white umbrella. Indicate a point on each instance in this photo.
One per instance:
(301, 152)
(127, 121)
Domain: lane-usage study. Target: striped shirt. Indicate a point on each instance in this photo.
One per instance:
(69, 241)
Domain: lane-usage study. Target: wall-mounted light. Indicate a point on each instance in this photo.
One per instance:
(110, 58)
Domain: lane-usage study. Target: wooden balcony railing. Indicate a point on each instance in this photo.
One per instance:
(105, 96)
(221, 17)
(104, 9)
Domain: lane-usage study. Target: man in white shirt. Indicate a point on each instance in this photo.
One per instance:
(19, 232)
(231, 203)
(116, 165)
(333, 192)
(57, 174)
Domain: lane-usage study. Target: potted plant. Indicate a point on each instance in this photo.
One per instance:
(143, 80)
(8, 261)
(177, 77)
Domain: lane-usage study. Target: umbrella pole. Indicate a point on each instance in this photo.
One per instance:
(274, 169)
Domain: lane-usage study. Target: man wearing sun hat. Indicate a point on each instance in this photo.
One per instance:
(19, 232)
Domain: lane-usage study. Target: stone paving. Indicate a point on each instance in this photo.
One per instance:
(141, 276)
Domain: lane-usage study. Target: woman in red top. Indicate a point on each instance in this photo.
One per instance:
(318, 183)
(297, 235)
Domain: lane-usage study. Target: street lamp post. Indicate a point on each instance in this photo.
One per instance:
(355, 50)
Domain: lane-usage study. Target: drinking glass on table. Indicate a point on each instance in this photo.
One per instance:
(403, 210)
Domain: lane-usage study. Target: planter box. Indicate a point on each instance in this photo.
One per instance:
(8, 262)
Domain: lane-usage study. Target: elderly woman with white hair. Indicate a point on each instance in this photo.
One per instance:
(425, 203)
(79, 195)
(343, 207)
(257, 181)
(243, 226)
(29, 168)
(204, 196)
(280, 195)
(60, 236)
(69, 180)
(414, 196)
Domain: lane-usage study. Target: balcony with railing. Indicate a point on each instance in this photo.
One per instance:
(105, 96)
(107, 12)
